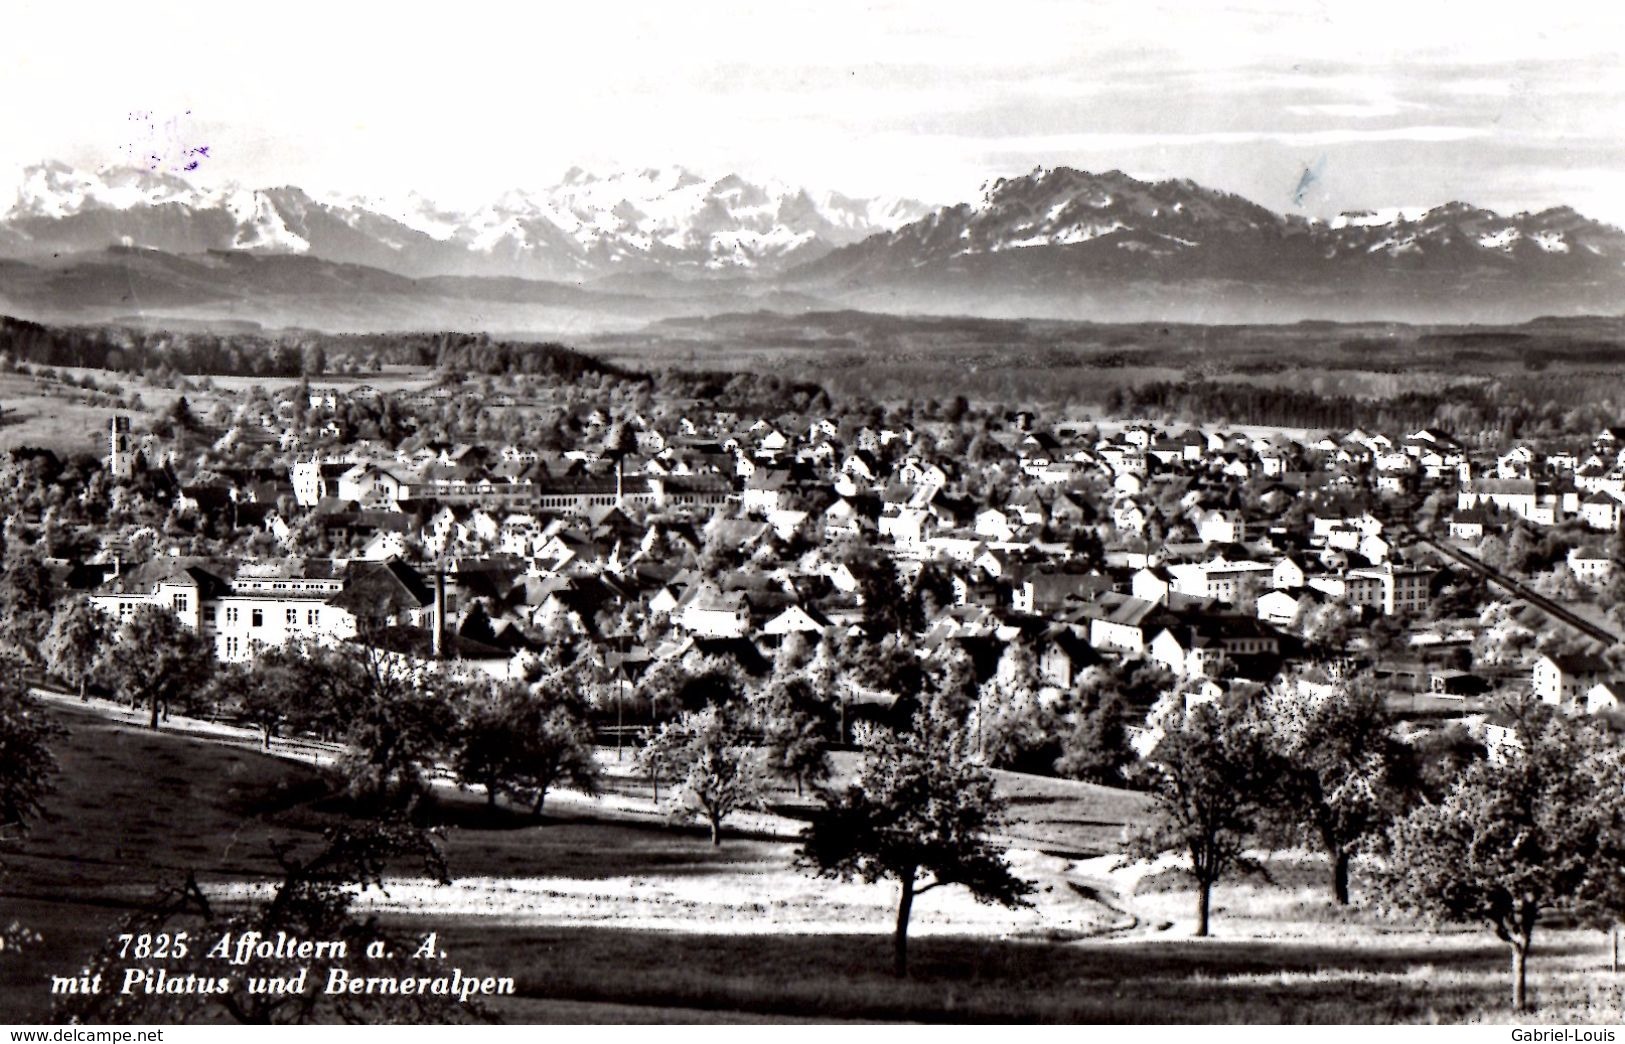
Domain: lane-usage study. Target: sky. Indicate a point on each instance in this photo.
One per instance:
(1307, 107)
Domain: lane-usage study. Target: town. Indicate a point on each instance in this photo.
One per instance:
(737, 601)
(1043, 551)
(873, 515)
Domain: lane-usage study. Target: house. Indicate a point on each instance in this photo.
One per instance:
(1469, 524)
(1561, 679)
(1590, 565)
(994, 524)
(1499, 734)
(706, 612)
(741, 534)
(907, 527)
(787, 523)
(1221, 527)
(1122, 623)
(315, 479)
(1153, 583)
(1049, 591)
(765, 491)
(1203, 646)
(384, 545)
(1285, 607)
(1601, 510)
(1523, 497)
(1129, 516)
(796, 619)
(1289, 573)
(1026, 508)
(1062, 656)
(851, 517)
(1224, 580)
(1604, 696)
(1392, 590)
(1456, 684)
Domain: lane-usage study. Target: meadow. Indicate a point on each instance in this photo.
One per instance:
(605, 913)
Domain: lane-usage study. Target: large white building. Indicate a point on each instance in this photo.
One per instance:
(245, 608)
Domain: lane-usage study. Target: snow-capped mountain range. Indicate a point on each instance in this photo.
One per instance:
(1062, 207)
(1068, 243)
(587, 225)
(1056, 242)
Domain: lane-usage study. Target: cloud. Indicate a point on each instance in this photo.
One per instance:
(1109, 141)
(1355, 110)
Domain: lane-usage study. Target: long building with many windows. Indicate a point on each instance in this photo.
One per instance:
(245, 608)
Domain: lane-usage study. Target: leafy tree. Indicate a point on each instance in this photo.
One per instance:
(26, 603)
(403, 716)
(27, 771)
(1335, 751)
(708, 752)
(1097, 746)
(557, 747)
(1536, 832)
(888, 610)
(1211, 777)
(484, 745)
(287, 688)
(798, 721)
(1009, 724)
(524, 741)
(1329, 625)
(26, 764)
(920, 813)
(1434, 763)
(157, 661)
(73, 645)
(691, 684)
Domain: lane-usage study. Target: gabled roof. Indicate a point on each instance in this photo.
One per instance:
(1080, 652)
(740, 650)
(1579, 663)
(205, 575)
(1118, 608)
(419, 642)
(380, 589)
(817, 618)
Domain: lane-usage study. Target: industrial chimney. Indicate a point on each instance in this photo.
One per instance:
(439, 627)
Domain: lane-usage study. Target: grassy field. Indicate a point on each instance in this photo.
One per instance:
(53, 416)
(605, 914)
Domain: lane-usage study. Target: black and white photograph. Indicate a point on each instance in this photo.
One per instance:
(826, 513)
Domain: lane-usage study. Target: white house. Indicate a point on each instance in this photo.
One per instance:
(1561, 679)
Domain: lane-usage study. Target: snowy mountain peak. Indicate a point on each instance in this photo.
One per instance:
(589, 222)
(55, 190)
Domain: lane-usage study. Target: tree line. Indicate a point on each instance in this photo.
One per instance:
(132, 350)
